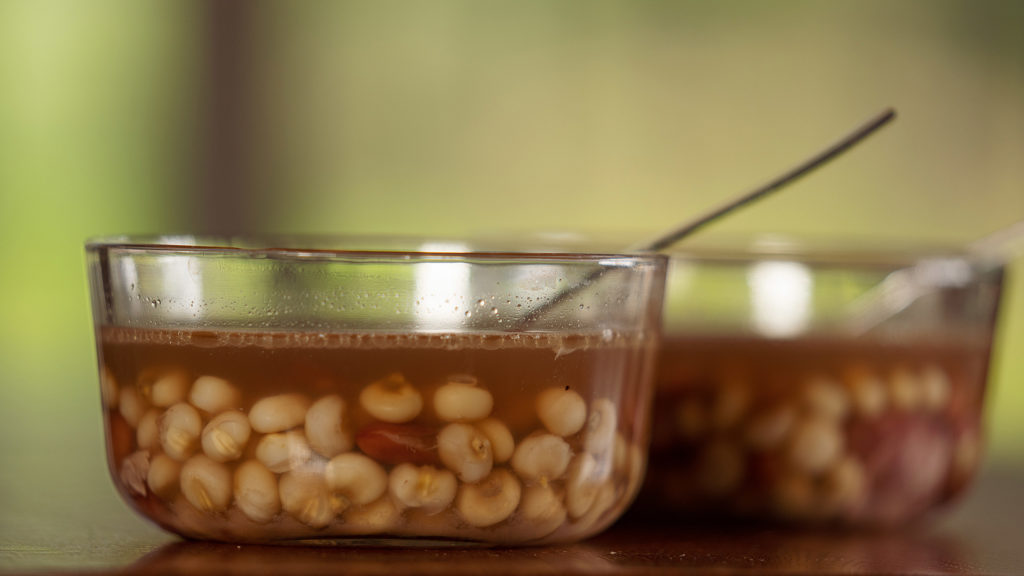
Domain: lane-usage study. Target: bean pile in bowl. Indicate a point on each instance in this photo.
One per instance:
(313, 389)
(810, 387)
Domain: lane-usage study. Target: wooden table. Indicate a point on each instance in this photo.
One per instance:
(981, 535)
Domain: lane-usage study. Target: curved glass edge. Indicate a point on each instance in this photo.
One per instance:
(390, 248)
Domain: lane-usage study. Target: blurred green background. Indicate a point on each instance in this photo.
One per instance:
(457, 117)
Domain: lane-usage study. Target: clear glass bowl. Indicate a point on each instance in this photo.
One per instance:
(384, 389)
(820, 386)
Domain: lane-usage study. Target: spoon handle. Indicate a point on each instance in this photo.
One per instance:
(679, 233)
(778, 182)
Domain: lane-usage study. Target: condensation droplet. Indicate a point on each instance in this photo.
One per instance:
(468, 313)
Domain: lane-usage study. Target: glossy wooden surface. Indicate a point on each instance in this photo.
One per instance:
(981, 535)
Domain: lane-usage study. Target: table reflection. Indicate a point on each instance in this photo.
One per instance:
(632, 546)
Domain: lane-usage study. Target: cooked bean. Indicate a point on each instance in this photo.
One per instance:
(825, 397)
(502, 442)
(180, 427)
(767, 428)
(465, 450)
(169, 388)
(278, 413)
(720, 468)
(326, 427)
(132, 406)
(392, 399)
(582, 483)
(163, 475)
(109, 389)
(461, 400)
(305, 496)
(489, 501)
(226, 436)
(540, 510)
(206, 484)
(283, 451)
(214, 395)
(422, 487)
(602, 423)
(147, 436)
(815, 444)
(356, 478)
(562, 410)
(256, 491)
(542, 457)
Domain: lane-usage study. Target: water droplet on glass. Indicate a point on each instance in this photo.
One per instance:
(494, 311)
(481, 302)
(468, 313)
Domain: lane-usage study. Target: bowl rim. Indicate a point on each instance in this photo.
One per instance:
(329, 246)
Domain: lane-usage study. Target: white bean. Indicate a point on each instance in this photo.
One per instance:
(767, 429)
(169, 388)
(392, 399)
(462, 400)
(356, 477)
(163, 475)
(582, 483)
(844, 487)
(502, 442)
(423, 487)
(604, 501)
(720, 468)
(465, 451)
(691, 419)
(867, 392)
(148, 434)
(206, 484)
(491, 500)
(283, 451)
(602, 423)
(134, 470)
(305, 496)
(905, 390)
(621, 455)
(936, 387)
(109, 390)
(540, 510)
(278, 413)
(815, 444)
(966, 455)
(542, 457)
(636, 463)
(180, 427)
(214, 395)
(730, 404)
(326, 427)
(226, 436)
(132, 405)
(825, 397)
(376, 517)
(793, 496)
(256, 492)
(562, 410)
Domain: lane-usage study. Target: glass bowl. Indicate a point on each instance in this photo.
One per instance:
(826, 386)
(374, 390)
